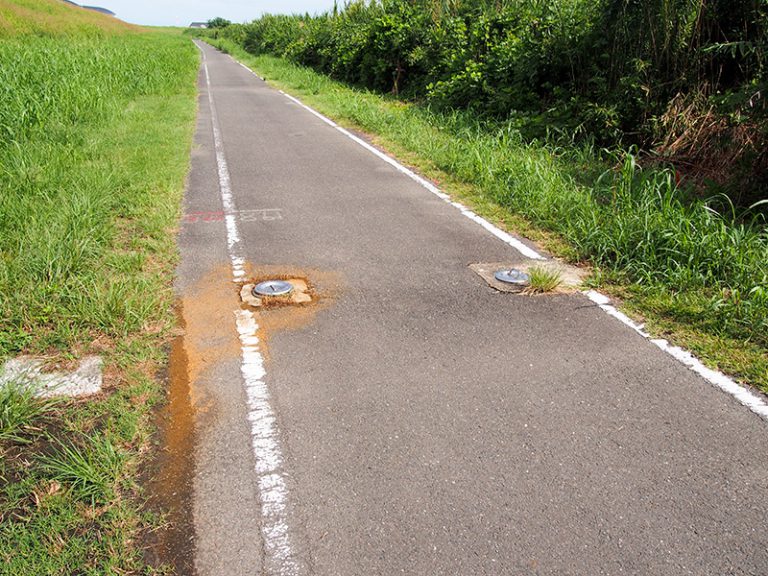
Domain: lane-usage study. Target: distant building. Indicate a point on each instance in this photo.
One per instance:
(199, 25)
(100, 9)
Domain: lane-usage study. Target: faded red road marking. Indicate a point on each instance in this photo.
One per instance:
(257, 215)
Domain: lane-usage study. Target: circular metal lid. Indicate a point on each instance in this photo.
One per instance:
(273, 288)
(513, 276)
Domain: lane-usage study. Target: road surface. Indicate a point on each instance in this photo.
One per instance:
(413, 420)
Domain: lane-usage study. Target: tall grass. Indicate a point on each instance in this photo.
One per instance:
(95, 133)
(56, 18)
(63, 200)
(48, 85)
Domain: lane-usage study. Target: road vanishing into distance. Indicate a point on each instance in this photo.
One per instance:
(412, 419)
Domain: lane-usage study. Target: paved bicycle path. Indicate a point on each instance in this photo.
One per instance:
(427, 424)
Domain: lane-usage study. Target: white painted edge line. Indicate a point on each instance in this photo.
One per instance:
(505, 237)
(273, 492)
(249, 70)
(714, 377)
(718, 379)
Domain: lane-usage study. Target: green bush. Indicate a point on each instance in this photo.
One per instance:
(601, 68)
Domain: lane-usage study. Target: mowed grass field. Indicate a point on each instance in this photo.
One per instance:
(96, 124)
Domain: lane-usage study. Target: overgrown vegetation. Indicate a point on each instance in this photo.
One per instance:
(676, 74)
(687, 268)
(74, 237)
(96, 119)
(55, 18)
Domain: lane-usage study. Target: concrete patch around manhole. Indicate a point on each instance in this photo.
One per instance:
(301, 294)
(571, 277)
(28, 372)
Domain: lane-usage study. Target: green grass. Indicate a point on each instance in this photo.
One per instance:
(21, 414)
(56, 18)
(95, 135)
(686, 268)
(89, 469)
(543, 280)
(69, 498)
(89, 184)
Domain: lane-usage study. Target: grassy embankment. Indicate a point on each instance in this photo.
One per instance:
(695, 277)
(96, 120)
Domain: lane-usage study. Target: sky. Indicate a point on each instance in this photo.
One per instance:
(182, 12)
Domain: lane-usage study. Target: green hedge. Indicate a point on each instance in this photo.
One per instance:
(606, 68)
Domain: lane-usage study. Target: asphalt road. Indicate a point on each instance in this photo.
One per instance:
(427, 423)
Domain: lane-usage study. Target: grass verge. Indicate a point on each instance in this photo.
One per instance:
(96, 135)
(695, 277)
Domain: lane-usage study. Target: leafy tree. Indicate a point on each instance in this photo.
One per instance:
(218, 22)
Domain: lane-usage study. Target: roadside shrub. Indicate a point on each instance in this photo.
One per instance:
(603, 70)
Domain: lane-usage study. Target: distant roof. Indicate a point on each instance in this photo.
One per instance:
(100, 9)
(199, 25)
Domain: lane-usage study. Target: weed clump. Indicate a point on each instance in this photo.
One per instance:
(22, 413)
(90, 468)
(542, 280)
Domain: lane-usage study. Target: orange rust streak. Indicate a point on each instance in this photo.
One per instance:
(171, 487)
(207, 336)
(210, 335)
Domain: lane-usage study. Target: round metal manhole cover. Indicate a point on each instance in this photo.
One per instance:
(273, 288)
(513, 276)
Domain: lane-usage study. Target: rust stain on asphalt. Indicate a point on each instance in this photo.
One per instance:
(207, 335)
(171, 486)
(210, 334)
